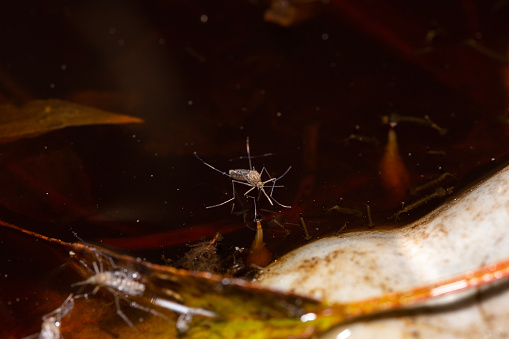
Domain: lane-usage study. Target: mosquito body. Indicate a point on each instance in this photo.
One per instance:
(249, 177)
(120, 283)
(121, 280)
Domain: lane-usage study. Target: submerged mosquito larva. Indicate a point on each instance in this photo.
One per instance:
(303, 225)
(282, 226)
(440, 192)
(368, 210)
(344, 210)
(430, 184)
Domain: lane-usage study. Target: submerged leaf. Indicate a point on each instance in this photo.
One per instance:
(42, 116)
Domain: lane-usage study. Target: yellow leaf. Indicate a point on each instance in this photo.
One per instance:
(139, 299)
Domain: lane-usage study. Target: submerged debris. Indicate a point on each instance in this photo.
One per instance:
(203, 256)
(214, 257)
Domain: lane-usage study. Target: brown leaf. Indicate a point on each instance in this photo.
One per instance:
(42, 116)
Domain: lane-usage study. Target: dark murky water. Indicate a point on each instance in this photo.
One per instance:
(206, 76)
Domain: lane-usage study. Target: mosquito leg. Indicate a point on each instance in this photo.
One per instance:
(248, 153)
(274, 186)
(209, 165)
(97, 269)
(112, 263)
(76, 235)
(280, 204)
(268, 174)
(264, 182)
(96, 255)
(261, 189)
(227, 201)
(253, 156)
(121, 314)
(282, 175)
(259, 194)
(101, 266)
(273, 183)
(272, 191)
(101, 269)
(224, 202)
(255, 210)
(96, 289)
(270, 178)
(275, 180)
(249, 190)
(86, 266)
(264, 169)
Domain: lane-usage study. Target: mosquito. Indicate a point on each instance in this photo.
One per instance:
(51, 322)
(249, 177)
(121, 282)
